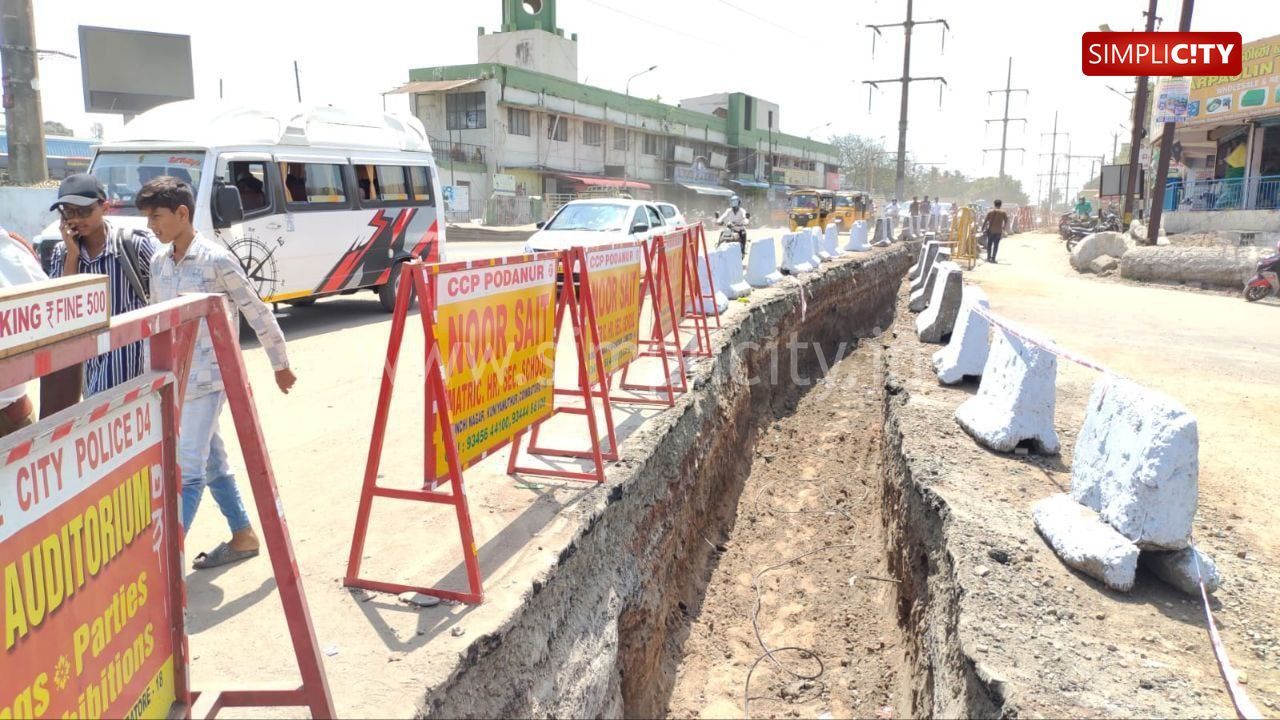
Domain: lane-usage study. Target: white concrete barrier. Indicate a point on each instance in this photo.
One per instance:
(712, 304)
(935, 323)
(920, 296)
(858, 237)
(726, 270)
(1083, 541)
(922, 260)
(796, 257)
(937, 253)
(1136, 463)
(884, 233)
(762, 263)
(1178, 568)
(1015, 400)
(966, 354)
(815, 247)
(829, 247)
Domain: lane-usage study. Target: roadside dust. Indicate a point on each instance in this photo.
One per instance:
(814, 490)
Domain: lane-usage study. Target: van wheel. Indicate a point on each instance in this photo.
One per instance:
(387, 292)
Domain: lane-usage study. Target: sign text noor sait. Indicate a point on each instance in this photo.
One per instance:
(494, 332)
(88, 622)
(614, 275)
(1155, 54)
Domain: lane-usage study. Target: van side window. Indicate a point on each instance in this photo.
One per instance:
(251, 179)
(392, 184)
(313, 183)
(365, 182)
(422, 191)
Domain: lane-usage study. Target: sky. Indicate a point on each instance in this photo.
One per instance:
(809, 56)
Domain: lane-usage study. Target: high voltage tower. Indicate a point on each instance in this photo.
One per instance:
(1005, 120)
(906, 81)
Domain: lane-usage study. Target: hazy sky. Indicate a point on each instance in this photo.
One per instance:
(810, 56)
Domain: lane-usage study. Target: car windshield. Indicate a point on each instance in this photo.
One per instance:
(844, 202)
(805, 202)
(589, 216)
(124, 173)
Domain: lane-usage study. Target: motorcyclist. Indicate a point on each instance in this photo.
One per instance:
(1083, 208)
(736, 219)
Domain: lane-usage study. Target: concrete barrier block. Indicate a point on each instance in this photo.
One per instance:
(726, 268)
(719, 302)
(884, 232)
(1084, 542)
(920, 260)
(936, 321)
(858, 237)
(942, 254)
(796, 257)
(827, 248)
(1015, 400)
(928, 252)
(920, 295)
(970, 344)
(1178, 568)
(1137, 463)
(762, 263)
(815, 244)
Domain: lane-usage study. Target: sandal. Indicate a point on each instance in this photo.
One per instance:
(224, 554)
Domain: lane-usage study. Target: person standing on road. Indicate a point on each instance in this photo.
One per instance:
(93, 244)
(994, 226)
(935, 215)
(18, 266)
(188, 262)
(925, 211)
(914, 211)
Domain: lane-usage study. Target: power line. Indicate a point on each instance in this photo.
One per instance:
(660, 26)
(761, 19)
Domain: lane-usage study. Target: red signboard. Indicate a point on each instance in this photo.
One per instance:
(1161, 53)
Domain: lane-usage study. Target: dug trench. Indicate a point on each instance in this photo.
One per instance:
(778, 451)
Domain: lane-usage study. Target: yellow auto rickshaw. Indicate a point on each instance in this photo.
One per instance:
(851, 206)
(811, 208)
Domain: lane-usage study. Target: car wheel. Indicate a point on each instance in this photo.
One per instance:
(387, 291)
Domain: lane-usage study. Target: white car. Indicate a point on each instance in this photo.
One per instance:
(671, 214)
(598, 221)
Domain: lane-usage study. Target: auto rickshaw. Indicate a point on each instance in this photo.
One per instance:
(851, 206)
(811, 208)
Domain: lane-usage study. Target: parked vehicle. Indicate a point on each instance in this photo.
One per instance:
(1072, 228)
(850, 206)
(313, 203)
(671, 214)
(598, 221)
(1266, 282)
(810, 208)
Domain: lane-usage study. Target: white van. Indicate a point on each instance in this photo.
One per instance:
(315, 202)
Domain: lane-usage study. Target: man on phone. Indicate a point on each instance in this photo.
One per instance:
(93, 244)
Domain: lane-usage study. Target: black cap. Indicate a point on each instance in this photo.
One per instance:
(81, 189)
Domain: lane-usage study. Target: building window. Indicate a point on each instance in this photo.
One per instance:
(557, 128)
(619, 138)
(651, 144)
(518, 121)
(592, 134)
(464, 111)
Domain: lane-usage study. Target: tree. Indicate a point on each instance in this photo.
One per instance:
(52, 127)
(863, 160)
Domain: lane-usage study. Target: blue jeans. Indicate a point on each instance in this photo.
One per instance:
(203, 459)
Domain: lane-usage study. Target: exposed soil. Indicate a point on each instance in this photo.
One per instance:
(813, 494)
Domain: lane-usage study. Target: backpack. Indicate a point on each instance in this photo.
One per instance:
(127, 242)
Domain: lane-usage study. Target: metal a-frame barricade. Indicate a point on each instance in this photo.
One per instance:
(666, 320)
(171, 328)
(964, 242)
(592, 356)
(701, 296)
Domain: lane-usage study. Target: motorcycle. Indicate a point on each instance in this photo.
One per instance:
(735, 232)
(1072, 228)
(1267, 280)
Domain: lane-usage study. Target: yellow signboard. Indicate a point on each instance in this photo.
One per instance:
(494, 329)
(673, 251)
(1255, 91)
(614, 281)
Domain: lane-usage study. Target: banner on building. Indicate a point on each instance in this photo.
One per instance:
(1172, 97)
(457, 198)
(1215, 100)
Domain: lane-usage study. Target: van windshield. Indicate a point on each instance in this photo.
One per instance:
(589, 216)
(124, 173)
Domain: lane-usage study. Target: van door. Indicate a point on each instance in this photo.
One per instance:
(259, 242)
(326, 233)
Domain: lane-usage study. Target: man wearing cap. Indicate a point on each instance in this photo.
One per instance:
(92, 244)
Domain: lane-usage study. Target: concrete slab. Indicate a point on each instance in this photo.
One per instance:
(970, 344)
(1183, 568)
(936, 321)
(1015, 401)
(1137, 463)
(1083, 541)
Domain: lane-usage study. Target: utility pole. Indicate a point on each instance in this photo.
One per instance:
(1139, 125)
(906, 81)
(1004, 132)
(297, 82)
(1093, 163)
(1166, 149)
(23, 117)
(1053, 158)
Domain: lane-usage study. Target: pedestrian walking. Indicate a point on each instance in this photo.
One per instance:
(189, 263)
(925, 213)
(914, 211)
(994, 226)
